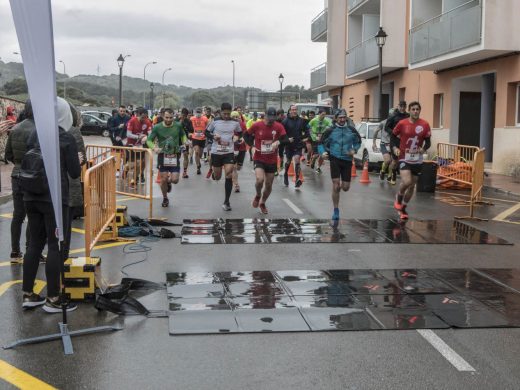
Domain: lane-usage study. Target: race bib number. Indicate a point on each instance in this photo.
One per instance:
(412, 156)
(199, 134)
(223, 147)
(170, 160)
(266, 147)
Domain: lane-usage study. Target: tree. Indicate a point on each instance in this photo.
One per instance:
(200, 98)
(16, 87)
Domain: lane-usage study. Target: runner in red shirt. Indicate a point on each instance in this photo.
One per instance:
(267, 136)
(410, 140)
(137, 131)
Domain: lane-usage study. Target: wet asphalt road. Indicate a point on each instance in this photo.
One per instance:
(144, 355)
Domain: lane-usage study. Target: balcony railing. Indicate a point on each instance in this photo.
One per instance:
(319, 25)
(319, 76)
(353, 4)
(362, 56)
(451, 31)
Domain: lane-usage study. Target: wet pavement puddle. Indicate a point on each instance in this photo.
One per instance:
(341, 300)
(295, 231)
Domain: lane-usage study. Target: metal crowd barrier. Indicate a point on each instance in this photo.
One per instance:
(133, 170)
(100, 203)
(477, 184)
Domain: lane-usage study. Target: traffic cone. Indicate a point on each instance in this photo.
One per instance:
(365, 179)
(353, 171)
(291, 169)
(301, 177)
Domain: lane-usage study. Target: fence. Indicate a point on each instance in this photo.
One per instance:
(100, 203)
(133, 170)
(477, 184)
(456, 165)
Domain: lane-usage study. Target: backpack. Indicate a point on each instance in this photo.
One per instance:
(32, 177)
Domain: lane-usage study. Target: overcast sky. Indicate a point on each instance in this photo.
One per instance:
(197, 38)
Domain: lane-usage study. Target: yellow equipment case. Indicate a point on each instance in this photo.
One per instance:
(80, 277)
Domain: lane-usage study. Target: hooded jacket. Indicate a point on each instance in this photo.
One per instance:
(340, 140)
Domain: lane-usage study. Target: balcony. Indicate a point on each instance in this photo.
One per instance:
(319, 76)
(319, 27)
(362, 57)
(353, 4)
(451, 32)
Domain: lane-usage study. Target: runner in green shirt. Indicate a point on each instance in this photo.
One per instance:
(317, 127)
(170, 139)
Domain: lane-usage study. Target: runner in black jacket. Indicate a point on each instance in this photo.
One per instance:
(391, 122)
(297, 132)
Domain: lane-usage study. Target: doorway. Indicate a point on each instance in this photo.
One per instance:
(469, 118)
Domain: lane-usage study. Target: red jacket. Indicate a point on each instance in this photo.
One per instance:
(136, 129)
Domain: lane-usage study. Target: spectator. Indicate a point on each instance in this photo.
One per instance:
(117, 126)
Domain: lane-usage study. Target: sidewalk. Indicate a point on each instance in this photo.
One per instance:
(501, 183)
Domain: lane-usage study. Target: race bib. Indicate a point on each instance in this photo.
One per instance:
(266, 147)
(412, 156)
(223, 147)
(199, 134)
(170, 160)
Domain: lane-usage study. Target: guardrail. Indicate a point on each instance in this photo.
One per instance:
(319, 25)
(477, 185)
(362, 56)
(319, 75)
(100, 203)
(133, 169)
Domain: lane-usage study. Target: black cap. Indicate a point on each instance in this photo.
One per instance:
(271, 112)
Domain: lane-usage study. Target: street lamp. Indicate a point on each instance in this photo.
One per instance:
(120, 62)
(64, 85)
(151, 96)
(233, 62)
(280, 78)
(144, 78)
(166, 70)
(380, 40)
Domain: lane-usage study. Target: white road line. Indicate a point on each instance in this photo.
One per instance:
(444, 349)
(293, 206)
(503, 215)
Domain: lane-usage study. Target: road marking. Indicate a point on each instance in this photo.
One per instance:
(76, 230)
(293, 206)
(104, 246)
(38, 286)
(444, 349)
(503, 215)
(21, 379)
(354, 250)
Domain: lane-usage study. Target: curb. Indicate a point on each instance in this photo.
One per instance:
(6, 198)
(504, 192)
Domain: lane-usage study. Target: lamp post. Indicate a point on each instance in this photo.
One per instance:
(144, 78)
(233, 62)
(120, 62)
(166, 70)
(380, 40)
(280, 78)
(151, 96)
(64, 85)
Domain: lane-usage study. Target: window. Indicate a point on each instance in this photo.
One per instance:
(438, 110)
(362, 130)
(518, 105)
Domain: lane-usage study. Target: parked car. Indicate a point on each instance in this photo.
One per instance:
(104, 116)
(366, 153)
(92, 125)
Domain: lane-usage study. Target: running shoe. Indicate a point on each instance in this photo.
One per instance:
(298, 183)
(276, 173)
(335, 214)
(209, 174)
(54, 305)
(398, 206)
(198, 171)
(226, 206)
(263, 209)
(382, 175)
(286, 180)
(308, 163)
(313, 163)
(255, 202)
(402, 213)
(43, 259)
(237, 188)
(185, 175)
(32, 300)
(16, 257)
(165, 202)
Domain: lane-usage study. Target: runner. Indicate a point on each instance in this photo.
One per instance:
(240, 150)
(188, 129)
(391, 122)
(170, 140)
(137, 130)
(341, 142)
(297, 134)
(265, 137)
(224, 133)
(384, 146)
(308, 145)
(198, 137)
(410, 140)
(207, 151)
(317, 127)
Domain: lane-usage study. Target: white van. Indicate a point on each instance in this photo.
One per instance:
(313, 107)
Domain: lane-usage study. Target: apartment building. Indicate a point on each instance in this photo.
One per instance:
(459, 58)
